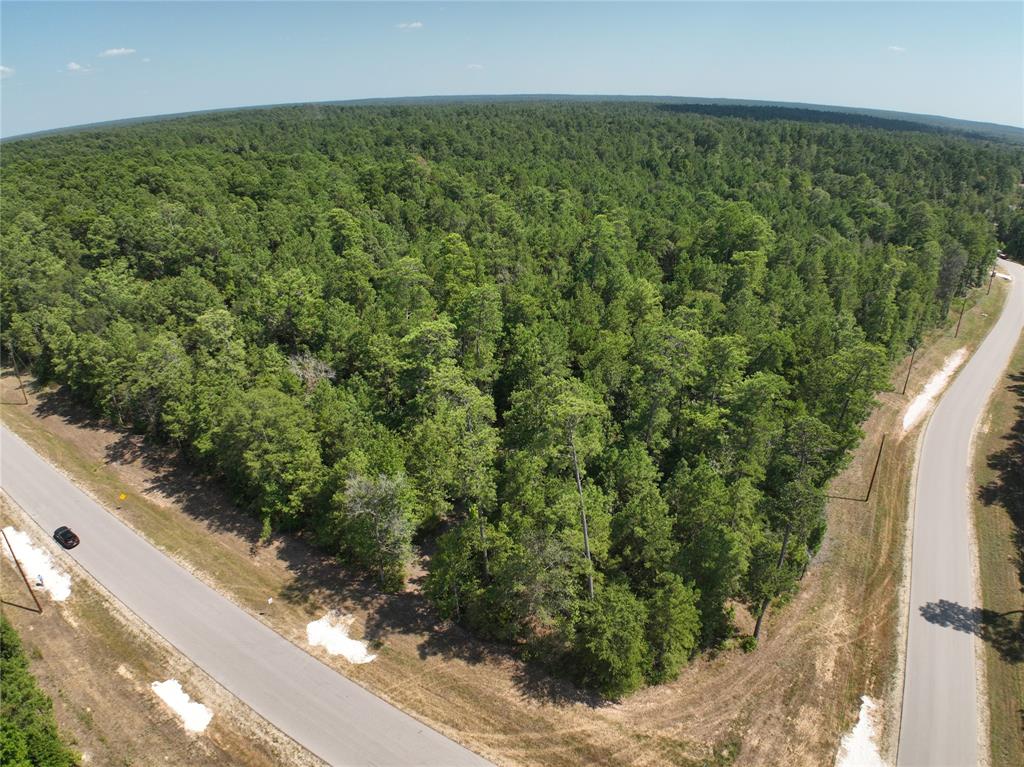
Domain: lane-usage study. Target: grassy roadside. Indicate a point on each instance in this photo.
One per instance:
(789, 702)
(999, 528)
(96, 663)
(871, 540)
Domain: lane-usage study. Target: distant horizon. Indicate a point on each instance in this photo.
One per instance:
(890, 114)
(67, 65)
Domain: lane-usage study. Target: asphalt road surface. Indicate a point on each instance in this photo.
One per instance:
(331, 716)
(940, 717)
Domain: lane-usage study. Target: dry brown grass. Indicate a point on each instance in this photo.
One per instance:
(999, 527)
(96, 663)
(787, 703)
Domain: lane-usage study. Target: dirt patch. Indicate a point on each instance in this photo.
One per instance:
(787, 703)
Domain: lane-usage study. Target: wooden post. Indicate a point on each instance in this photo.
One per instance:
(39, 608)
(991, 277)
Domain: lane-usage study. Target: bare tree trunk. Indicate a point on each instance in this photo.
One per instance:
(785, 545)
(476, 508)
(849, 396)
(778, 566)
(760, 617)
(583, 516)
(483, 543)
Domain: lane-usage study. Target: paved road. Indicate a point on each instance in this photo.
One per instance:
(940, 718)
(328, 714)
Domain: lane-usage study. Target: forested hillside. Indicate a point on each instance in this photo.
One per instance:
(598, 360)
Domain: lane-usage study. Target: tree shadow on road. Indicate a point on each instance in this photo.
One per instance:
(1004, 631)
(1007, 488)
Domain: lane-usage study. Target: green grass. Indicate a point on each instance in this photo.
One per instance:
(999, 526)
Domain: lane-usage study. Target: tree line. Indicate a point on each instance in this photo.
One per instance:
(598, 360)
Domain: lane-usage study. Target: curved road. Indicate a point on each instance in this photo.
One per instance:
(331, 716)
(940, 718)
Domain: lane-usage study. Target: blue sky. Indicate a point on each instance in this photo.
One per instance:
(72, 63)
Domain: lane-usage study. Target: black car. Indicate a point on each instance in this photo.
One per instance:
(66, 537)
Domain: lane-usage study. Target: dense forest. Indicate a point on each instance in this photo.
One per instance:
(28, 731)
(597, 361)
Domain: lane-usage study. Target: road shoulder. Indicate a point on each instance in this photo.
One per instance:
(998, 527)
(96, 660)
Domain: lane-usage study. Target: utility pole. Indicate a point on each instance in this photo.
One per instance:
(39, 608)
(962, 307)
(871, 484)
(991, 277)
(878, 460)
(909, 368)
(17, 374)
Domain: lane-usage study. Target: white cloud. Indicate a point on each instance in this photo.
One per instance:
(410, 25)
(897, 49)
(474, 66)
(117, 52)
(146, 60)
(74, 66)
(5, 72)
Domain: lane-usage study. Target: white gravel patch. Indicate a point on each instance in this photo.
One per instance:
(1002, 276)
(331, 632)
(923, 401)
(858, 747)
(37, 563)
(195, 716)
